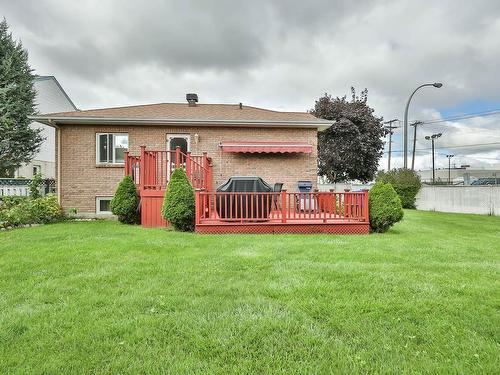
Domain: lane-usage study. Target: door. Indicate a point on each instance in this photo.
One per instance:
(174, 140)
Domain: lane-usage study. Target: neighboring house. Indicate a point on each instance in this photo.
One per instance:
(96, 148)
(50, 97)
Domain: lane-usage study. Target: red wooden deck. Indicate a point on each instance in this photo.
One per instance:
(282, 212)
(219, 213)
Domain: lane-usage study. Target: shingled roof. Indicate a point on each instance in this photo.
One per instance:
(183, 113)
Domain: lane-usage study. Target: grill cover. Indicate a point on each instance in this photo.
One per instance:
(248, 184)
(236, 206)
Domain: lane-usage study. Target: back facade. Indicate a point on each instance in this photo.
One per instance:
(92, 146)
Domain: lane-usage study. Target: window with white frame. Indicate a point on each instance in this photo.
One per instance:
(103, 205)
(111, 147)
(37, 169)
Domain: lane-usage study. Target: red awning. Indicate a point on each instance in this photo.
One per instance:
(265, 147)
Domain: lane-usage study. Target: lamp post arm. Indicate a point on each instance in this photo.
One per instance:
(405, 133)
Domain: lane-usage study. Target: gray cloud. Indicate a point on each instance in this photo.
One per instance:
(275, 54)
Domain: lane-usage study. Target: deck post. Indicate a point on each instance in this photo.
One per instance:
(188, 165)
(347, 204)
(127, 166)
(197, 201)
(177, 156)
(142, 169)
(208, 173)
(283, 206)
(365, 205)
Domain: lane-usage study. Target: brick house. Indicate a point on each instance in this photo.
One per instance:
(211, 142)
(240, 140)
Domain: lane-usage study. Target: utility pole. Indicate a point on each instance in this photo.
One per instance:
(415, 124)
(389, 128)
(449, 168)
(432, 138)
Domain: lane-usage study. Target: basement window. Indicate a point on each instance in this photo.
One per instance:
(111, 147)
(103, 205)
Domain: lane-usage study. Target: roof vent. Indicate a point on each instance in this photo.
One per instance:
(192, 99)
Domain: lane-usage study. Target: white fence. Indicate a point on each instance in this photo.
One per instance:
(11, 186)
(20, 187)
(461, 199)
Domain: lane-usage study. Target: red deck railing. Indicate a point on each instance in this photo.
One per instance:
(281, 207)
(152, 169)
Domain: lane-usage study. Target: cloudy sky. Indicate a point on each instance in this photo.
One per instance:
(280, 55)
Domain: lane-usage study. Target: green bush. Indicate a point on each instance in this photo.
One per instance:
(125, 203)
(45, 210)
(19, 212)
(34, 186)
(385, 207)
(406, 183)
(178, 204)
(7, 202)
(16, 216)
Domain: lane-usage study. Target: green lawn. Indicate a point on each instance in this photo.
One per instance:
(101, 297)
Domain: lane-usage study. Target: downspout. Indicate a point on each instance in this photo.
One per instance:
(58, 159)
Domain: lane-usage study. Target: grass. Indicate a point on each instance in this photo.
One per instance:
(101, 297)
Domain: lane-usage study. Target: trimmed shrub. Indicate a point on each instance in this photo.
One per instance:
(406, 183)
(178, 204)
(125, 203)
(385, 207)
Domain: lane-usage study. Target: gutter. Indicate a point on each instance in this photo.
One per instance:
(58, 158)
(52, 120)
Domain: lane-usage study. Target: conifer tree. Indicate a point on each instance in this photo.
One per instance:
(18, 141)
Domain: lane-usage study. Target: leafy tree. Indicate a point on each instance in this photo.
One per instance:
(406, 183)
(179, 203)
(18, 141)
(125, 202)
(351, 148)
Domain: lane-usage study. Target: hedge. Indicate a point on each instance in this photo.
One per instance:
(17, 211)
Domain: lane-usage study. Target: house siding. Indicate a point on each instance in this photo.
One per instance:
(49, 98)
(82, 180)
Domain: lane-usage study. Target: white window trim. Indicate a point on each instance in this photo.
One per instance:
(98, 206)
(185, 136)
(38, 169)
(97, 149)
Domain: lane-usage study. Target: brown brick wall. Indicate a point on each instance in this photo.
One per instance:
(82, 180)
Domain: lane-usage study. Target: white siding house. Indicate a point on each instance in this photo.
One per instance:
(50, 98)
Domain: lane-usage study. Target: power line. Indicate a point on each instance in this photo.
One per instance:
(453, 147)
(464, 116)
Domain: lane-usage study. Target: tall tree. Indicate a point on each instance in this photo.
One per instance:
(351, 148)
(18, 141)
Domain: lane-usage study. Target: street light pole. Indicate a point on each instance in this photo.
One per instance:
(432, 138)
(405, 132)
(415, 124)
(449, 168)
